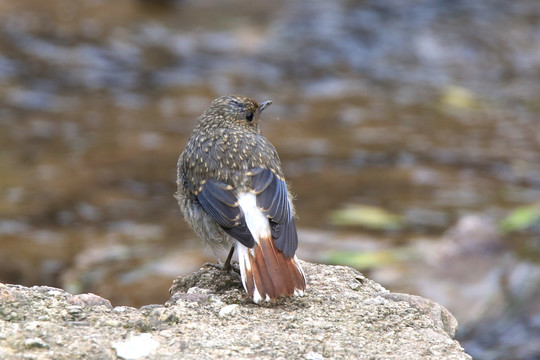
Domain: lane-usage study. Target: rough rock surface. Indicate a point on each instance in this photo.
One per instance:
(342, 315)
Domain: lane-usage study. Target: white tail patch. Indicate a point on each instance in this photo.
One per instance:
(246, 273)
(266, 273)
(297, 291)
(256, 221)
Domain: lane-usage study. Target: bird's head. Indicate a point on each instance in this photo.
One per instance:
(233, 111)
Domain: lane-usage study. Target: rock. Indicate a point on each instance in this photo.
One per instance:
(35, 343)
(136, 346)
(342, 315)
(228, 310)
(89, 300)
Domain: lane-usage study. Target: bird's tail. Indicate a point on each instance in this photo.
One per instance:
(267, 273)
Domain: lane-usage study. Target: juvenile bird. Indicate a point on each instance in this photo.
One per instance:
(231, 191)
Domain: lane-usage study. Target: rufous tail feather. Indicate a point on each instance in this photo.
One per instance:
(267, 273)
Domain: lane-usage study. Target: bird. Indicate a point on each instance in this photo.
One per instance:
(232, 192)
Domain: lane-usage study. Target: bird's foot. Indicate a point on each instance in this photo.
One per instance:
(232, 269)
(219, 265)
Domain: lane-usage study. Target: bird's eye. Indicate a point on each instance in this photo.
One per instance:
(249, 117)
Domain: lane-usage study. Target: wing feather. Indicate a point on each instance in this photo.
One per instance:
(273, 200)
(219, 201)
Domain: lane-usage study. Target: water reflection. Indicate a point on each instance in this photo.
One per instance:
(427, 111)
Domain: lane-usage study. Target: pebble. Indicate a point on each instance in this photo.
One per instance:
(11, 316)
(89, 300)
(197, 290)
(113, 323)
(55, 292)
(228, 310)
(35, 343)
(32, 325)
(355, 285)
(136, 346)
(314, 356)
(169, 333)
(76, 312)
(122, 309)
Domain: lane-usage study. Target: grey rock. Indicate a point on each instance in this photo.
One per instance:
(342, 315)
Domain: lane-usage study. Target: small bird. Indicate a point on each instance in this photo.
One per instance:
(231, 191)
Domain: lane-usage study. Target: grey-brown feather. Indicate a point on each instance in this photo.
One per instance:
(223, 147)
(226, 157)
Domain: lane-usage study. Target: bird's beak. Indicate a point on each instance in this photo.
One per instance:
(264, 105)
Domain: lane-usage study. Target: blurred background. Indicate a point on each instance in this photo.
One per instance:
(408, 130)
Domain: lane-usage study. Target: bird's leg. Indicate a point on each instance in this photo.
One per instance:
(227, 266)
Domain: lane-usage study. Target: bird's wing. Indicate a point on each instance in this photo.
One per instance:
(273, 201)
(219, 201)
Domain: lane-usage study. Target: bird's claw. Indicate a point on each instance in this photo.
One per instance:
(233, 270)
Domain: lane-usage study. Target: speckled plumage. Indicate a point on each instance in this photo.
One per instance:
(224, 146)
(225, 158)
